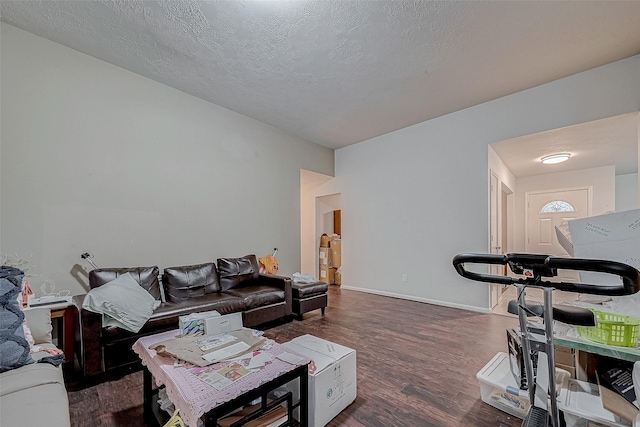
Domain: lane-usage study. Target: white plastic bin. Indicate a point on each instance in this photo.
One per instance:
(498, 388)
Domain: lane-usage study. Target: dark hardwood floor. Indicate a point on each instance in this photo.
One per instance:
(416, 365)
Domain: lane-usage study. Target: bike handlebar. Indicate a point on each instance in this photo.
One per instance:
(546, 266)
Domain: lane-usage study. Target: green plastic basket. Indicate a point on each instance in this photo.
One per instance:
(612, 329)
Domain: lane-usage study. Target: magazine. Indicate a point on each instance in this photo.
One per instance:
(223, 377)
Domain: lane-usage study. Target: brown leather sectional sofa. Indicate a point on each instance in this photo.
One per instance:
(234, 285)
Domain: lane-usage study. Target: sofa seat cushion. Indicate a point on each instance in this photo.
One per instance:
(165, 317)
(222, 303)
(258, 296)
(34, 395)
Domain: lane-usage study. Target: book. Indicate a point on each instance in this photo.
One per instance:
(516, 359)
(617, 376)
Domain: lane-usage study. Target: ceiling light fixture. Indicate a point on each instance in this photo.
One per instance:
(555, 158)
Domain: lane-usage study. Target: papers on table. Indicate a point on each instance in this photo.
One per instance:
(221, 378)
(236, 354)
(205, 350)
(255, 360)
(210, 342)
(227, 352)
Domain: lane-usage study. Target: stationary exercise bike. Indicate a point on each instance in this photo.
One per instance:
(537, 338)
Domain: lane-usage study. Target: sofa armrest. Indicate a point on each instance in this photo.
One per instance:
(88, 339)
(281, 282)
(39, 322)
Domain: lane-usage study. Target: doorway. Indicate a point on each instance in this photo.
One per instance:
(549, 211)
(319, 199)
(546, 210)
(500, 198)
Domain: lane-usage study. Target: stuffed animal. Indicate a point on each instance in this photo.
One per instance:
(268, 265)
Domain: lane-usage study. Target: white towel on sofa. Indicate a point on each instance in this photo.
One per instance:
(122, 302)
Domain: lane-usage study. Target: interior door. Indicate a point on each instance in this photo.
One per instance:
(494, 236)
(549, 209)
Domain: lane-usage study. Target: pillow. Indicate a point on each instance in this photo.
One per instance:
(122, 302)
(28, 335)
(14, 348)
(235, 272)
(39, 321)
(147, 277)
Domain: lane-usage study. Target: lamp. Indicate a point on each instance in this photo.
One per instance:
(87, 257)
(555, 158)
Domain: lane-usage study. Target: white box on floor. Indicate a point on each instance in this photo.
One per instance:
(498, 387)
(227, 323)
(333, 385)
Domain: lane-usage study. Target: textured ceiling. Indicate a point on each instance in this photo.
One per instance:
(611, 141)
(339, 72)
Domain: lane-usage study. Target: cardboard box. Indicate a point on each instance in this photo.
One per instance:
(327, 275)
(613, 236)
(194, 324)
(564, 356)
(336, 253)
(227, 323)
(332, 386)
(325, 239)
(324, 257)
(570, 369)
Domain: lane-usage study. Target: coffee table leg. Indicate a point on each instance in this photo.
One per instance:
(146, 391)
(304, 398)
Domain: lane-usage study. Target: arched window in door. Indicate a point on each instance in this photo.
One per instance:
(557, 206)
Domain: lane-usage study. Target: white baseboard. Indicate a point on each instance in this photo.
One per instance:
(418, 299)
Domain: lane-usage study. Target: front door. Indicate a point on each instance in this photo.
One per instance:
(548, 210)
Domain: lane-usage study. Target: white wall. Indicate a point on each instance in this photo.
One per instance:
(602, 180)
(501, 170)
(414, 198)
(98, 159)
(626, 192)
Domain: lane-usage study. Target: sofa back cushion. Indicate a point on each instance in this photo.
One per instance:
(147, 277)
(190, 281)
(236, 272)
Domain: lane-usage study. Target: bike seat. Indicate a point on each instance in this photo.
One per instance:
(563, 313)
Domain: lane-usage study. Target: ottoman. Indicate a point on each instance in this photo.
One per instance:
(308, 296)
